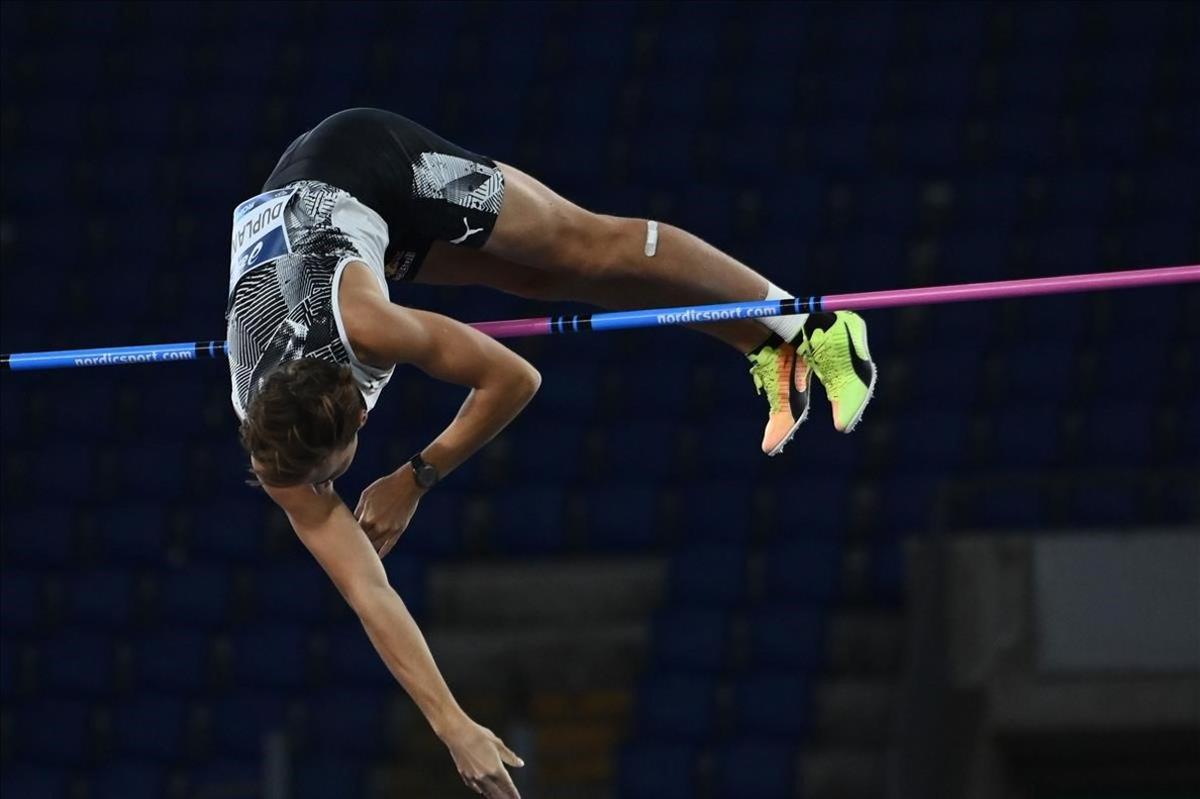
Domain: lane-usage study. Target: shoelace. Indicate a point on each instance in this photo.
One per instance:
(765, 371)
(825, 349)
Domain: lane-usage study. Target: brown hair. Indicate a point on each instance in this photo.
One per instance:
(303, 410)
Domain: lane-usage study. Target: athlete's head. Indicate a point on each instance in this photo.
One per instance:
(302, 425)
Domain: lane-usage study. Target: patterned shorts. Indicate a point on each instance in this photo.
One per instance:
(424, 187)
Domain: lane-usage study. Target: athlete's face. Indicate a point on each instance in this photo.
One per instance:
(334, 465)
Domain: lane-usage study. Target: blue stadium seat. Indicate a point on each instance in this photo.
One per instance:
(1117, 435)
(711, 575)
(1160, 243)
(77, 662)
(133, 533)
(1027, 141)
(174, 660)
(64, 472)
(150, 727)
(1114, 132)
(295, 590)
(787, 636)
(1106, 505)
(1051, 375)
(54, 731)
(841, 148)
(39, 537)
(1027, 436)
(129, 781)
(1043, 320)
(910, 503)
(775, 704)
(407, 575)
(761, 113)
(987, 205)
(550, 450)
(868, 257)
(679, 707)
(273, 655)
(654, 770)
(353, 660)
(730, 442)
(1046, 28)
(1165, 190)
(709, 210)
(751, 769)
(101, 597)
(931, 439)
(623, 517)
(241, 720)
(787, 223)
(933, 143)
(528, 521)
(21, 601)
(886, 573)
(8, 667)
(1066, 251)
(436, 531)
(571, 392)
(90, 413)
(957, 29)
(691, 640)
(804, 569)
(888, 205)
(955, 385)
(349, 722)
(322, 777)
(1008, 506)
(229, 530)
(716, 510)
(197, 595)
(227, 775)
(1080, 197)
(959, 320)
(13, 414)
(131, 475)
(30, 782)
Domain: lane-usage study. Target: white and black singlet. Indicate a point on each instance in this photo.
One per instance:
(364, 185)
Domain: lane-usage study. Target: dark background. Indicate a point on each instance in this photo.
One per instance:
(159, 618)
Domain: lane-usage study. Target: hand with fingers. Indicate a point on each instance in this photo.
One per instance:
(481, 757)
(387, 506)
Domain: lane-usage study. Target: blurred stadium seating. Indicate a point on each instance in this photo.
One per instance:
(158, 619)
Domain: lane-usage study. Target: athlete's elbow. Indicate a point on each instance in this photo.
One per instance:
(527, 381)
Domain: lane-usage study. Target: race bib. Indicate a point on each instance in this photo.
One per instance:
(259, 234)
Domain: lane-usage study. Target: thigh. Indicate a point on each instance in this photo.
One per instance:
(448, 265)
(538, 227)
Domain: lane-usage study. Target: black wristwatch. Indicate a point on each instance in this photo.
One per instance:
(426, 474)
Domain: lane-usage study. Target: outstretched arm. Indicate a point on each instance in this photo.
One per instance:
(331, 534)
(501, 383)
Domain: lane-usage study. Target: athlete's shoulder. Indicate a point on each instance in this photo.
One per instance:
(368, 317)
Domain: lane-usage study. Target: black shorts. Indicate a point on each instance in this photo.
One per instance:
(426, 188)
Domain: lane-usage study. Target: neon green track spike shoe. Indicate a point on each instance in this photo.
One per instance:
(838, 354)
(781, 373)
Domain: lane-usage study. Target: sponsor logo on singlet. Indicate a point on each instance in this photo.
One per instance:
(259, 232)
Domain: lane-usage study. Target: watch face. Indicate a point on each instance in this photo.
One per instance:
(426, 476)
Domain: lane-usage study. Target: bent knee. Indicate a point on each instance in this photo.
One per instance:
(604, 247)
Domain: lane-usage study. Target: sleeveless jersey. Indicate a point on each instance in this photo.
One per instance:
(289, 248)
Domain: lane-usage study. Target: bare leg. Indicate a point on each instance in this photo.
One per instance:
(546, 247)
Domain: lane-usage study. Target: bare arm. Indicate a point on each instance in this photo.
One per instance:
(501, 383)
(329, 531)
